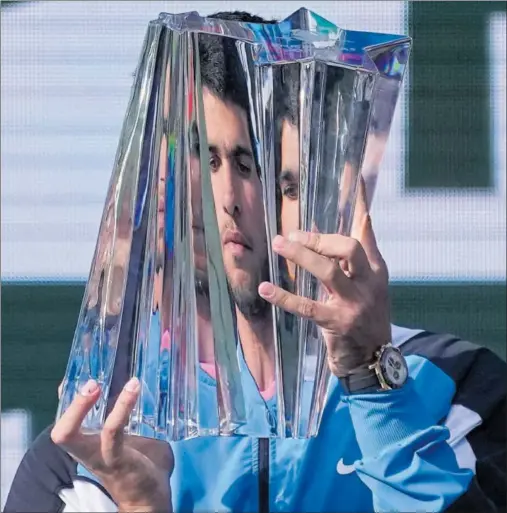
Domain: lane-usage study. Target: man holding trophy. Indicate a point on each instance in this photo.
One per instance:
(244, 358)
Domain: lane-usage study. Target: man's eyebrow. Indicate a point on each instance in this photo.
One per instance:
(241, 151)
(237, 151)
(289, 175)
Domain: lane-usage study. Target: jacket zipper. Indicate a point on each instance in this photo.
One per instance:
(263, 475)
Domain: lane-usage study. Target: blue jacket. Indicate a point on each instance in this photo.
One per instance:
(435, 445)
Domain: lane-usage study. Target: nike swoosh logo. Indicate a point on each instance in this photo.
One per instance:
(343, 469)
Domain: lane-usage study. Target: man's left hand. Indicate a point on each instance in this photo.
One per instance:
(355, 315)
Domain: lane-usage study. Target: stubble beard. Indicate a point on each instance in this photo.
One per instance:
(245, 296)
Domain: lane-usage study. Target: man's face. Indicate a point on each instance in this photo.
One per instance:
(289, 182)
(238, 201)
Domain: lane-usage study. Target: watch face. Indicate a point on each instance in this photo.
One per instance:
(394, 368)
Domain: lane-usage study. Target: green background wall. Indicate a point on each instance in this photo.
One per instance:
(449, 135)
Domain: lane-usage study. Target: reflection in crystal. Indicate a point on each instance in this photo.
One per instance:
(234, 132)
(239, 212)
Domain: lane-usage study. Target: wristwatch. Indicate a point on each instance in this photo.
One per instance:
(389, 371)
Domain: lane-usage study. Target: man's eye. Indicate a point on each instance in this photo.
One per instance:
(244, 169)
(214, 163)
(291, 191)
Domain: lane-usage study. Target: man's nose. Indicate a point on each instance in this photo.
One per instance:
(230, 197)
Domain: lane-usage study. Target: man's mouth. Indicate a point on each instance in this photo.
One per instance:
(236, 242)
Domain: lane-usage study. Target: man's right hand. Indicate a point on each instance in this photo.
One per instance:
(136, 471)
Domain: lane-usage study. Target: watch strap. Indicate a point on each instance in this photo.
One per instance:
(363, 381)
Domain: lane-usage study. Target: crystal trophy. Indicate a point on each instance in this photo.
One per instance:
(235, 132)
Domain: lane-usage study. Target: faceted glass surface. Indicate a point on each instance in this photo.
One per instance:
(235, 132)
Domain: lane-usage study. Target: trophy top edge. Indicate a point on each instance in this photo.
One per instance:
(303, 35)
(288, 27)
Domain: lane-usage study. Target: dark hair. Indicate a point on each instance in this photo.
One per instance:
(221, 69)
(287, 93)
(286, 102)
(240, 16)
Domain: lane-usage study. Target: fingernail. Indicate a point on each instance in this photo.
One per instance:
(132, 385)
(278, 242)
(89, 387)
(266, 289)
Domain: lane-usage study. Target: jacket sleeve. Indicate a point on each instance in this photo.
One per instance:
(47, 481)
(439, 443)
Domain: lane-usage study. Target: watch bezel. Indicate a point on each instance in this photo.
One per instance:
(380, 367)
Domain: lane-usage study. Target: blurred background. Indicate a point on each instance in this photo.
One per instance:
(66, 73)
